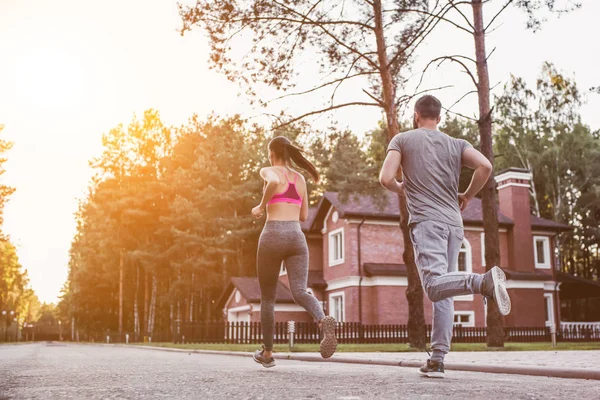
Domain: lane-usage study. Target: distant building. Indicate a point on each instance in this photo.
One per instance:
(357, 269)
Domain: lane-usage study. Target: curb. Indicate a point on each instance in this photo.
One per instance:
(550, 372)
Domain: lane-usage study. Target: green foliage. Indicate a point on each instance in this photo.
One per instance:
(541, 130)
(172, 207)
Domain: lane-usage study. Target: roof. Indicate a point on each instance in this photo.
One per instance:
(373, 269)
(528, 275)
(250, 290)
(542, 223)
(564, 277)
(363, 205)
(315, 280)
(384, 205)
(312, 213)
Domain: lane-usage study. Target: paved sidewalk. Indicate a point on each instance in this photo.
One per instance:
(557, 364)
(555, 359)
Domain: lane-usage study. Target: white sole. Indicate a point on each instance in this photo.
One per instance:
(329, 342)
(269, 365)
(500, 293)
(438, 375)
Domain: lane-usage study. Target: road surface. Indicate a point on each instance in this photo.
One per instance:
(73, 371)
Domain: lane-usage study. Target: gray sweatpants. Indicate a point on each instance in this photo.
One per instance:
(283, 241)
(436, 248)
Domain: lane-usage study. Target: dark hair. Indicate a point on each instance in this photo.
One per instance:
(286, 151)
(428, 107)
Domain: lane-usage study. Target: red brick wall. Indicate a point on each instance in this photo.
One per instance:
(474, 238)
(350, 265)
(381, 244)
(315, 253)
(514, 203)
(528, 308)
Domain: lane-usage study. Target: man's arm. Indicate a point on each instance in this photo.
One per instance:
(473, 159)
(390, 169)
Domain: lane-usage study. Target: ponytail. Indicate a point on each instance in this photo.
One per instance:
(285, 150)
(295, 154)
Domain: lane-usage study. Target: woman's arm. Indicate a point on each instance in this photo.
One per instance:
(304, 207)
(272, 181)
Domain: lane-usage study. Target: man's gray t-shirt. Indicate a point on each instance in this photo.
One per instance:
(431, 164)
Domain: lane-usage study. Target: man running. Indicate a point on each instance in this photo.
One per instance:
(430, 162)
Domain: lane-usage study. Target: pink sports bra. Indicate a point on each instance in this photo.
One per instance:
(290, 194)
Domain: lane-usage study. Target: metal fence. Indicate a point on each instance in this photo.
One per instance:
(356, 333)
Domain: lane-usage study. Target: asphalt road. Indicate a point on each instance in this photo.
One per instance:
(70, 371)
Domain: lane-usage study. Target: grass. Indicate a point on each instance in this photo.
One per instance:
(389, 348)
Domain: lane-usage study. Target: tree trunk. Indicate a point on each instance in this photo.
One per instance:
(136, 314)
(534, 191)
(152, 306)
(146, 319)
(414, 293)
(192, 300)
(417, 333)
(495, 333)
(121, 291)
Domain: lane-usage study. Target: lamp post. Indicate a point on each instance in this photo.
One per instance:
(60, 331)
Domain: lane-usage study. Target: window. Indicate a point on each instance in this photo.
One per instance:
(336, 247)
(336, 306)
(464, 318)
(541, 249)
(282, 270)
(549, 309)
(465, 263)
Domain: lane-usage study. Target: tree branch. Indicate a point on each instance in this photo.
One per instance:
(323, 110)
(508, 3)
(314, 89)
(406, 98)
(455, 7)
(338, 41)
(460, 115)
(461, 99)
(424, 33)
(374, 98)
(439, 16)
(451, 58)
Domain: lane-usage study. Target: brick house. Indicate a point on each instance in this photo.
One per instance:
(357, 270)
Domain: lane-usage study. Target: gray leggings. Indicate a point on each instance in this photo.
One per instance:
(283, 241)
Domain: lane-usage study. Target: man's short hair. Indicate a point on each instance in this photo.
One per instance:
(428, 107)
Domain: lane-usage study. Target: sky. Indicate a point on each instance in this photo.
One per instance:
(70, 70)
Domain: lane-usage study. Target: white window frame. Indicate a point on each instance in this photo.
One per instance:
(549, 309)
(469, 268)
(331, 311)
(332, 262)
(547, 262)
(483, 249)
(471, 315)
(282, 269)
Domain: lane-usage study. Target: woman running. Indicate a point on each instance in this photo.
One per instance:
(286, 203)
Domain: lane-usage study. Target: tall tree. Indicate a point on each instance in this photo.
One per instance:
(363, 47)
(478, 29)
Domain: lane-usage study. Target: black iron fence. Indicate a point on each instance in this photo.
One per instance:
(356, 333)
(308, 333)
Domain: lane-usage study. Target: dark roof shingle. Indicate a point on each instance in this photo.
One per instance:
(250, 289)
(389, 208)
(385, 205)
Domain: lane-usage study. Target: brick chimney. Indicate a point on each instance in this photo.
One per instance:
(513, 196)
